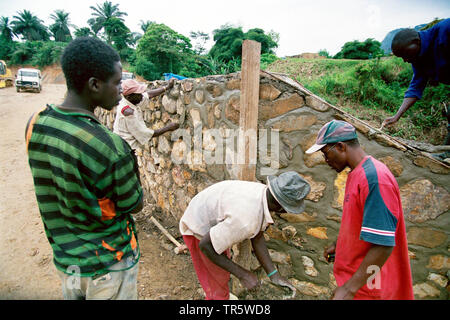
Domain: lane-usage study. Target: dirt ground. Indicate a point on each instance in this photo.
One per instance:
(26, 267)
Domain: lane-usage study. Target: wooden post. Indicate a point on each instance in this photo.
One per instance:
(248, 121)
(248, 139)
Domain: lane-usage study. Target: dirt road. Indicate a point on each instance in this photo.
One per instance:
(26, 267)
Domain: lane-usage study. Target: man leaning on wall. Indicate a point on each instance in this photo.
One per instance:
(129, 122)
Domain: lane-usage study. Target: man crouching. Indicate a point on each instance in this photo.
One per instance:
(229, 212)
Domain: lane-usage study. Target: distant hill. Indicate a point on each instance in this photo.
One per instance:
(386, 43)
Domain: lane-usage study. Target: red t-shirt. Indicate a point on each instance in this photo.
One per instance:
(373, 213)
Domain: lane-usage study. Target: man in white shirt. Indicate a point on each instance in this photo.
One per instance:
(229, 212)
(129, 122)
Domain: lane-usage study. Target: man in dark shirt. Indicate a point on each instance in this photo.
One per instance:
(429, 54)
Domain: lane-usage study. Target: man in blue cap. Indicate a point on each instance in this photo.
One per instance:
(372, 235)
(229, 212)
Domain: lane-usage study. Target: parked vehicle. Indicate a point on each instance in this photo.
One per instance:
(6, 79)
(128, 75)
(28, 79)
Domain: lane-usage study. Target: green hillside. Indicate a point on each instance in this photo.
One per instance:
(372, 90)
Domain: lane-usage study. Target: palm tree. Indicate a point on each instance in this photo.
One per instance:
(102, 13)
(145, 24)
(6, 31)
(60, 29)
(29, 26)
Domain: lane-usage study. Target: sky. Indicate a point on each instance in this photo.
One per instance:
(303, 25)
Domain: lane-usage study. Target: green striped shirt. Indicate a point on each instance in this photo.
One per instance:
(86, 182)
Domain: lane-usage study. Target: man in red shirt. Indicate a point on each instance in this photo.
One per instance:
(371, 253)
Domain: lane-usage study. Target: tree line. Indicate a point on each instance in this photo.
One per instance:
(154, 50)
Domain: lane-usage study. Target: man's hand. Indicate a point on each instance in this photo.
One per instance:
(331, 249)
(389, 121)
(249, 280)
(342, 293)
(280, 281)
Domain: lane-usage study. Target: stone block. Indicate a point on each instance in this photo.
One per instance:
(438, 262)
(279, 257)
(233, 109)
(281, 106)
(296, 218)
(310, 289)
(425, 237)
(179, 151)
(438, 279)
(316, 104)
(163, 145)
(195, 116)
(423, 201)
(434, 165)
(317, 188)
(199, 96)
(293, 122)
(393, 164)
(268, 92)
(314, 159)
(214, 90)
(233, 84)
(169, 105)
(289, 232)
(318, 232)
(177, 176)
(187, 86)
(308, 264)
(339, 189)
(425, 290)
(275, 233)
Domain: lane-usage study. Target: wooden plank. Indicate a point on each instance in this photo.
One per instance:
(248, 121)
(248, 139)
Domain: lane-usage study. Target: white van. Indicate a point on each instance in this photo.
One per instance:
(28, 78)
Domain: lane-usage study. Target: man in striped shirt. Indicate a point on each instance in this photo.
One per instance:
(372, 259)
(86, 179)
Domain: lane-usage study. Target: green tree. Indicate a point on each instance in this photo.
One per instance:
(324, 53)
(229, 39)
(102, 13)
(83, 32)
(228, 43)
(145, 24)
(6, 31)
(120, 36)
(360, 50)
(29, 26)
(163, 50)
(60, 27)
(267, 43)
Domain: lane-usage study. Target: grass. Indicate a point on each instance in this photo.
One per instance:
(372, 90)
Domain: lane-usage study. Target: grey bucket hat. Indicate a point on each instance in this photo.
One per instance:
(289, 189)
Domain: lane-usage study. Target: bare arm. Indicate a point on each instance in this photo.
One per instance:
(407, 103)
(157, 92)
(376, 256)
(248, 279)
(170, 127)
(262, 254)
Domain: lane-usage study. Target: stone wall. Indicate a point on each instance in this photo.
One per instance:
(203, 151)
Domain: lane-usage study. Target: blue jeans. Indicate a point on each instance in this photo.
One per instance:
(116, 285)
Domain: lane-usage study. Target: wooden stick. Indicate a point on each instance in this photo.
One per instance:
(165, 232)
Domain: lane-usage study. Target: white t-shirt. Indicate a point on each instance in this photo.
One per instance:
(231, 211)
(132, 128)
